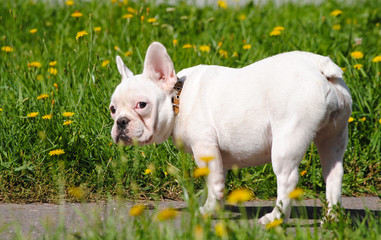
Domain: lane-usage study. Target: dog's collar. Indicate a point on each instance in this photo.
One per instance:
(176, 97)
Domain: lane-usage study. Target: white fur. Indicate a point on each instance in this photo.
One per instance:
(269, 111)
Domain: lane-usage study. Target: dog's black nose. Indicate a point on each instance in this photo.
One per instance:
(122, 122)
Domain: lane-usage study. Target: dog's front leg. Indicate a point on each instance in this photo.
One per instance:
(216, 178)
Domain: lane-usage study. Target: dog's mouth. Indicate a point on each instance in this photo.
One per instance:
(123, 138)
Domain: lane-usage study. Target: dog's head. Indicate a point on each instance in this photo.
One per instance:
(141, 105)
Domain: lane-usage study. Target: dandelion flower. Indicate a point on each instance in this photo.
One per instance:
(223, 53)
(151, 20)
(175, 42)
(336, 12)
(363, 119)
(67, 114)
(242, 17)
(53, 63)
(80, 34)
(137, 210)
(47, 117)
(52, 71)
(1, 109)
(147, 171)
(132, 10)
(222, 4)
(56, 152)
(278, 28)
(351, 119)
(128, 15)
(35, 64)
(33, 31)
(67, 122)
(275, 33)
(274, 223)
(200, 172)
(55, 85)
(206, 158)
(69, 3)
(336, 27)
(204, 48)
(358, 66)
(128, 53)
(97, 29)
(239, 196)
(357, 54)
(166, 214)
(246, 46)
(77, 14)
(221, 229)
(105, 63)
(187, 45)
(296, 193)
(32, 114)
(43, 96)
(235, 54)
(378, 120)
(377, 59)
(302, 173)
(116, 48)
(7, 49)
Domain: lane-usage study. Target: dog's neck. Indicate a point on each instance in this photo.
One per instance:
(176, 97)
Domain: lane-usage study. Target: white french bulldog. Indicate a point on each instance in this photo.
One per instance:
(269, 111)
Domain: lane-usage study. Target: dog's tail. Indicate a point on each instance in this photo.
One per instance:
(334, 74)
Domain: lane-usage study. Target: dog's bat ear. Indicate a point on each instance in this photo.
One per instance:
(158, 66)
(123, 70)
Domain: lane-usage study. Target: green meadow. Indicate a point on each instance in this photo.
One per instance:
(58, 72)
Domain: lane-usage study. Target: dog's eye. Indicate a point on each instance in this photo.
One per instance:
(141, 105)
(112, 109)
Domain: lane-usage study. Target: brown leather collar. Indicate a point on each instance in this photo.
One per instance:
(176, 98)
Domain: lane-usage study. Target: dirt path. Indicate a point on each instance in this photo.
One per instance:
(35, 219)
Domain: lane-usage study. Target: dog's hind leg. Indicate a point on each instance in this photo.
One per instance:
(331, 143)
(290, 142)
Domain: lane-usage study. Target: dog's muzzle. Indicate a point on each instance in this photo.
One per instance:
(122, 123)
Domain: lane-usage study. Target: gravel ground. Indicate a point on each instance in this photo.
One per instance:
(33, 219)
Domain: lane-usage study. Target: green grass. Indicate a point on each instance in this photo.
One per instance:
(98, 167)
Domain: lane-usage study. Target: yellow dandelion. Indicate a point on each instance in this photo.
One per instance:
(296, 193)
(132, 10)
(1, 109)
(77, 14)
(377, 59)
(52, 71)
(128, 53)
(35, 64)
(165, 173)
(147, 171)
(80, 34)
(223, 53)
(222, 4)
(358, 66)
(242, 17)
(67, 114)
(221, 229)
(142, 18)
(33, 31)
(336, 27)
(274, 223)
(357, 54)
(175, 42)
(344, 69)
(379, 120)
(49, 116)
(351, 119)
(53, 63)
(206, 158)
(56, 152)
(204, 48)
(69, 3)
(55, 85)
(336, 12)
(7, 49)
(200, 172)
(235, 54)
(167, 214)
(128, 16)
(246, 46)
(116, 48)
(137, 210)
(151, 20)
(67, 122)
(239, 196)
(363, 119)
(187, 45)
(32, 114)
(275, 33)
(278, 28)
(105, 63)
(43, 96)
(302, 173)
(97, 29)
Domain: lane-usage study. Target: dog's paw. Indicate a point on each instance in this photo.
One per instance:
(268, 218)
